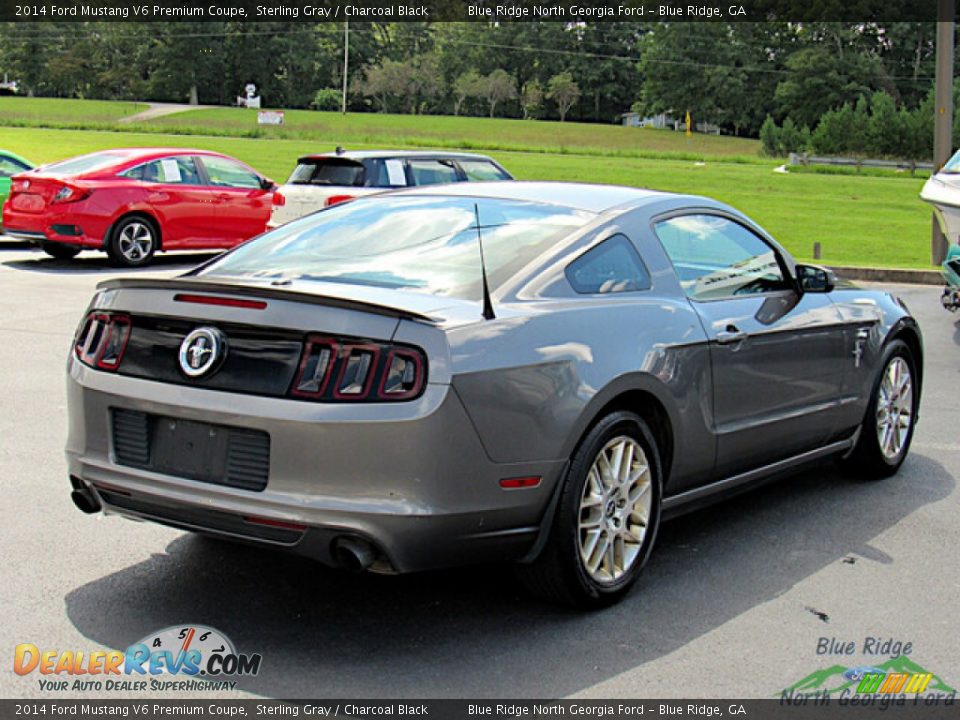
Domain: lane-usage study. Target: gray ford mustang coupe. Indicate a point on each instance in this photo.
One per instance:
(533, 372)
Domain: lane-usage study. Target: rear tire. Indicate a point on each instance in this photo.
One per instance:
(133, 241)
(59, 250)
(606, 520)
(887, 429)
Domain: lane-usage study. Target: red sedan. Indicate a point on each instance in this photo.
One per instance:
(133, 202)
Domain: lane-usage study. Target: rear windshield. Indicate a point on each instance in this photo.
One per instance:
(83, 164)
(424, 244)
(324, 171)
(481, 170)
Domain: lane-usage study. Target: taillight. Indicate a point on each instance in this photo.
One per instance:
(279, 200)
(336, 199)
(338, 370)
(102, 340)
(19, 186)
(68, 194)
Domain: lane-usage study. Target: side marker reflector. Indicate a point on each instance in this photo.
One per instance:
(520, 482)
(270, 522)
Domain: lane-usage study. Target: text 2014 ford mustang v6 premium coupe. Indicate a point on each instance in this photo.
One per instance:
(528, 371)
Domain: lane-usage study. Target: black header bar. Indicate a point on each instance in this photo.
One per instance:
(312, 11)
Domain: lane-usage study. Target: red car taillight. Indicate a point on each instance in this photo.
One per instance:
(69, 194)
(278, 200)
(337, 370)
(337, 199)
(102, 340)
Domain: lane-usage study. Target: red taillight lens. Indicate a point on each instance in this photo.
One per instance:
(402, 375)
(319, 356)
(69, 194)
(338, 369)
(336, 199)
(19, 186)
(102, 340)
(278, 200)
(358, 363)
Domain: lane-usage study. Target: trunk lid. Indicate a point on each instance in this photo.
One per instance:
(31, 193)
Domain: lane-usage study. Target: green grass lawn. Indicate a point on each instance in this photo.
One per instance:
(463, 132)
(436, 131)
(41, 111)
(859, 220)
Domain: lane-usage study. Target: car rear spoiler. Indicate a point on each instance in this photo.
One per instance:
(262, 292)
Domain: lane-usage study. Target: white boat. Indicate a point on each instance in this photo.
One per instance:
(942, 191)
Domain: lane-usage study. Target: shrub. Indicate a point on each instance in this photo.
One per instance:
(327, 99)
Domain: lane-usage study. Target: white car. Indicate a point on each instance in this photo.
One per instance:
(329, 178)
(942, 191)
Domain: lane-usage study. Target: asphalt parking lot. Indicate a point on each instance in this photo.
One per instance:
(733, 604)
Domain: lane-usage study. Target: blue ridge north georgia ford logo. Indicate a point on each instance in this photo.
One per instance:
(201, 351)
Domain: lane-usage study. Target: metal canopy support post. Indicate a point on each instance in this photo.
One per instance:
(943, 120)
(346, 63)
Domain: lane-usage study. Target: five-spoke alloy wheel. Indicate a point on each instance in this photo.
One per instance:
(133, 242)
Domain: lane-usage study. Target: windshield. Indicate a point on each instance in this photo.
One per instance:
(83, 164)
(953, 164)
(423, 244)
(332, 171)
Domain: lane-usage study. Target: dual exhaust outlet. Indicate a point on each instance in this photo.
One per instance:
(349, 552)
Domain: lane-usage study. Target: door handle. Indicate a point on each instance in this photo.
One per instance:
(732, 334)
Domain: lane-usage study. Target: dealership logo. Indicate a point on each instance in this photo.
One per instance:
(180, 657)
(894, 681)
(201, 351)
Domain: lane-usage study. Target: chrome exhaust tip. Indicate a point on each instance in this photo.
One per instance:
(353, 554)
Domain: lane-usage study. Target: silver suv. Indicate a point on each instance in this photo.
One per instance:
(329, 178)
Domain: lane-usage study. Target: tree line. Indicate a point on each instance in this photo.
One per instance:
(732, 75)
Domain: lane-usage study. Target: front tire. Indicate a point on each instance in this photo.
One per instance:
(887, 429)
(59, 250)
(606, 520)
(133, 242)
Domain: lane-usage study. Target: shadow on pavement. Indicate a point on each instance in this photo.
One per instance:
(473, 632)
(8, 243)
(97, 263)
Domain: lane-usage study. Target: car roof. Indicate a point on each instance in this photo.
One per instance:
(136, 152)
(579, 196)
(19, 158)
(400, 154)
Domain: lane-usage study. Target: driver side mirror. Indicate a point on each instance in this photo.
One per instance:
(267, 184)
(815, 279)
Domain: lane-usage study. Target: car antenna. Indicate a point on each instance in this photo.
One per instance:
(487, 303)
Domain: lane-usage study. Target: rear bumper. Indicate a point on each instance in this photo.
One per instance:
(411, 479)
(66, 228)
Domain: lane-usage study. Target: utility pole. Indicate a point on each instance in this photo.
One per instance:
(346, 63)
(943, 120)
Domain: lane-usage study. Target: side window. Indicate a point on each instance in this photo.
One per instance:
(613, 266)
(432, 172)
(170, 171)
(386, 173)
(228, 173)
(481, 170)
(716, 258)
(10, 167)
